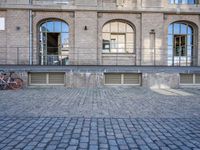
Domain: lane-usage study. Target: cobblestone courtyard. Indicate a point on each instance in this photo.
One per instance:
(103, 118)
(131, 102)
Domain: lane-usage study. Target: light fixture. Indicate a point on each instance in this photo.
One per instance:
(85, 28)
(18, 28)
(152, 31)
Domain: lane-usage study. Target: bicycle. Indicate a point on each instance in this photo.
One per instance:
(9, 82)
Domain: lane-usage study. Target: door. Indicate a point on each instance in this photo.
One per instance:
(53, 43)
(180, 50)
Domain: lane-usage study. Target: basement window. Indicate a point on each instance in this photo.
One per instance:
(122, 79)
(190, 79)
(41, 78)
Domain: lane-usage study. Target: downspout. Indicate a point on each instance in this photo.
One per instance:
(30, 35)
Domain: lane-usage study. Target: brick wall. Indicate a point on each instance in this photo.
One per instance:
(86, 45)
(3, 49)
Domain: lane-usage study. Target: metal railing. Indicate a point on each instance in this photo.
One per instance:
(37, 2)
(15, 2)
(52, 2)
(92, 56)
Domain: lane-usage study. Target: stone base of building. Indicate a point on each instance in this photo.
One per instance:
(99, 76)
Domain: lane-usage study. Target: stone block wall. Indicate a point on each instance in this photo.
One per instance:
(160, 80)
(89, 79)
(86, 37)
(152, 43)
(17, 22)
(84, 79)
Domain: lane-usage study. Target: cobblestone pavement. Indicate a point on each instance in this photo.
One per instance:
(98, 133)
(103, 118)
(126, 102)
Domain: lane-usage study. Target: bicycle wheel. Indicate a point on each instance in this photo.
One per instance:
(16, 83)
(2, 85)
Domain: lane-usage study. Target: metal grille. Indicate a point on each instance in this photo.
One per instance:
(56, 78)
(123, 79)
(186, 78)
(131, 78)
(197, 79)
(113, 79)
(46, 78)
(37, 78)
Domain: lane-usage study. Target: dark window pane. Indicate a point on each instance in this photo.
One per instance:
(183, 51)
(191, 1)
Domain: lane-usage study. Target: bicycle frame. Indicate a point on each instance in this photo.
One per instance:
(6, 82)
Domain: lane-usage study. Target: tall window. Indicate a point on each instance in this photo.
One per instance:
(180, 44)
(118, 37)
(54, 42)
(183, 1)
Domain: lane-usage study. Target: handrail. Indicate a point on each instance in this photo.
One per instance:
(96, 56)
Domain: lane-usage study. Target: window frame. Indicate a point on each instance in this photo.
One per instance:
(175, 29)
(105, 42)
(181, 2)
(42, 42)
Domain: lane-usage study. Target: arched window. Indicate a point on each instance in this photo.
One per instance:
(54, 42)
(118, 37)
(180, 44)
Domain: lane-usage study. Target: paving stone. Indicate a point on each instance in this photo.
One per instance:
(74, 142)
(44, 119)
(93, 147)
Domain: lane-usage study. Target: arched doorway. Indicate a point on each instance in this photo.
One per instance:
(54, 42)
(180, 44)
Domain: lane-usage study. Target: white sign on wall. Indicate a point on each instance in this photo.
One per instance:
(2, 23)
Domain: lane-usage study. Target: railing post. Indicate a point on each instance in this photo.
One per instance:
(17, 55)
(30, 35)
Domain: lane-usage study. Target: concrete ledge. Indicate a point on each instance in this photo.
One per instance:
(110, 69)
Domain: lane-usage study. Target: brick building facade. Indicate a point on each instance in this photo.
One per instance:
(87, 43)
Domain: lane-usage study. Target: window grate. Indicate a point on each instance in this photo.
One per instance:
(46, 78)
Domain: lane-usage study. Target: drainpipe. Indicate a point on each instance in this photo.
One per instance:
(30, 35)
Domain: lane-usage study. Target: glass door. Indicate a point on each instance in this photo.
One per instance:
(180, 50)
